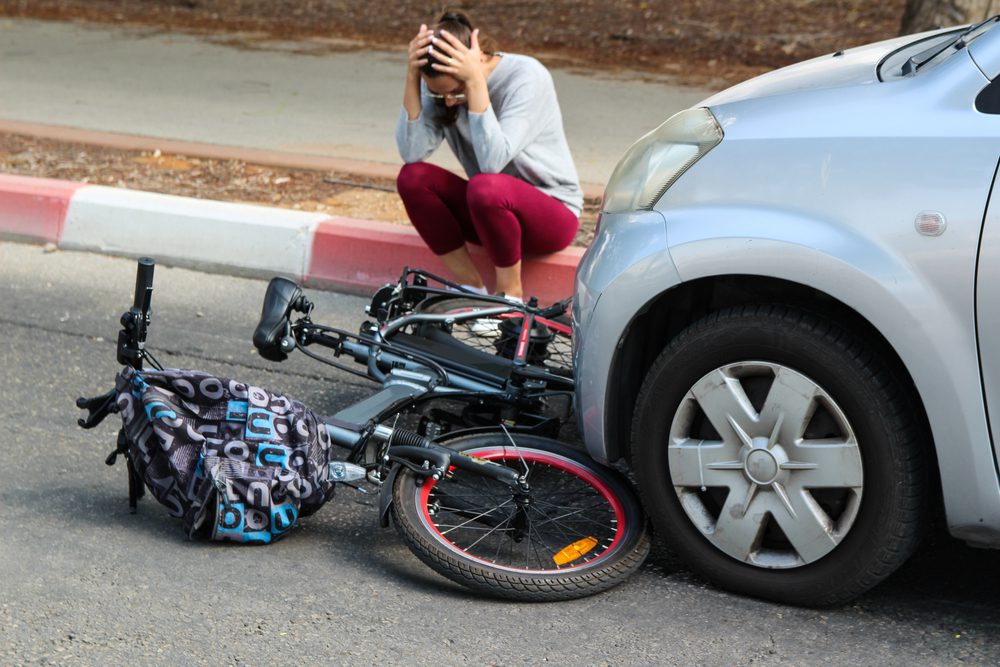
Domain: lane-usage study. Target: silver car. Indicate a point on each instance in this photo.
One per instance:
(789, 320)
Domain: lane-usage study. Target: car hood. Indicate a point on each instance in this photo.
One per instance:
(852, 67)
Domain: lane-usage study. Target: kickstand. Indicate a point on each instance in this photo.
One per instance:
(135, 487)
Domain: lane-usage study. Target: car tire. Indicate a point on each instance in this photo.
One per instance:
(778, 455)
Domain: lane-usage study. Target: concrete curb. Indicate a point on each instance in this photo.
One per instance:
(34, 209)
(240, 239)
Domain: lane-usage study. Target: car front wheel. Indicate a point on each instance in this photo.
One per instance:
(779, 456)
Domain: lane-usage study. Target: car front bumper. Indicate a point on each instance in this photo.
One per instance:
(624, 269)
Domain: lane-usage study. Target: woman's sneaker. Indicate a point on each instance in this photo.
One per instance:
(484, 326)
(490, 326)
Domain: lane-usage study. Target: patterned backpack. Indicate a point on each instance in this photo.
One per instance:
(236, 462)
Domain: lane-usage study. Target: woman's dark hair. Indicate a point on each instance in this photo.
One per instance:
(459, 25)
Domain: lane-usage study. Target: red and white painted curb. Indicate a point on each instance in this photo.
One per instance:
(240, 239)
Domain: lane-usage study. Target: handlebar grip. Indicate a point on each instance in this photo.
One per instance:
(143, 284)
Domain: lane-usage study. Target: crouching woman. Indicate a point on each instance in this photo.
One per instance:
(500, 116)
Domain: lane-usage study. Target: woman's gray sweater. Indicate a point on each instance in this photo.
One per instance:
(520, 134)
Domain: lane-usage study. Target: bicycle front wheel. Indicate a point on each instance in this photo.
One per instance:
(580, 531)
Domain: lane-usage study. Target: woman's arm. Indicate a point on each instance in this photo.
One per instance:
(417, 59)
(498, 139)
(416, 139)
(417, 135)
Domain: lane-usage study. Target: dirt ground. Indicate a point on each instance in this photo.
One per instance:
(703, 42)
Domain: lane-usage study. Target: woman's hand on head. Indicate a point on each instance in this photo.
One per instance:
(419, 48)
(465, 63)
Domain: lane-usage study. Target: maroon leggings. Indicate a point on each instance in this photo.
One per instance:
(504, 214)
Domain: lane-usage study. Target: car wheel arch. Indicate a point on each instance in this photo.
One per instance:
(668, 313)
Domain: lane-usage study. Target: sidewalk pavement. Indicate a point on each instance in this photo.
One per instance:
(291, 104)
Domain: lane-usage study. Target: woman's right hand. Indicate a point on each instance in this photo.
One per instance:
(419, 48)
(418, 56)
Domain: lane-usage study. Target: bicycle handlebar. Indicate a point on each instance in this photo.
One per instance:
(132, 337)
(143, 297)
(143, 285)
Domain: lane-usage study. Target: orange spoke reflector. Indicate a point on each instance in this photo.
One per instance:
(574, 551)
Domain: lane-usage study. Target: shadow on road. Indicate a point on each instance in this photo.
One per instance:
(946, 579)
(945, 576)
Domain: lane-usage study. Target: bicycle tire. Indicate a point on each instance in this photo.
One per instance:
(550, 345)
(464, 526)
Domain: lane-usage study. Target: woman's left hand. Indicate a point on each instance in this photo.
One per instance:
(465, 63)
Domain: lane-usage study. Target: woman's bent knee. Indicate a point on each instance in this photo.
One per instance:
(487, 191)
(413, 176)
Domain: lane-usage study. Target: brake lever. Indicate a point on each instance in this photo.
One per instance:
(98, 408)
(555, 310)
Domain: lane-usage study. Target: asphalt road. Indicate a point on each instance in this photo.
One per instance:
(83, 581)
(320, 98)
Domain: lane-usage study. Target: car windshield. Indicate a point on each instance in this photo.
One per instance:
(931, 51)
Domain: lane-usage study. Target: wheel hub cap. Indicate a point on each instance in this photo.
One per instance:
(761, 466)
(763, 484)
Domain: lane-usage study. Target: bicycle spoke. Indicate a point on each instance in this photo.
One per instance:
(542, 540)
(464, 527)
(500, 545)
(558, 521)
(564, 536)
(597, 502)
(473, 545)
(482, 515)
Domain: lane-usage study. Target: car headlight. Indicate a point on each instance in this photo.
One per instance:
(658, 159)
